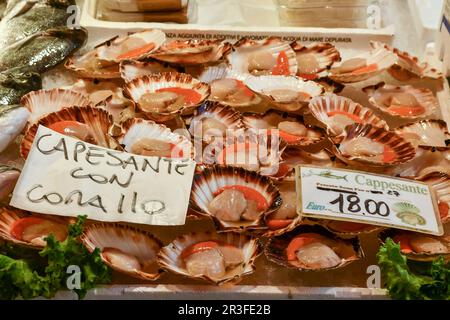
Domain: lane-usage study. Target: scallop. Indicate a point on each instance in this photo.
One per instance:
(164, 96)
(403, 102)
(30, 229)
(213, 119)
(369, 145)
(224, 194)
(190, 52)
(132, 69)
(271, 56)
(286, 93)
(124, 248)
(312, 248)
(133, 46)
(432, 133)
(8, 178)
(408, 66)
(336, 112)
(43, 102)
(364, 66)
(89, 124)
(219, 258)
(145, 137)
(417, 246)
(315, 59)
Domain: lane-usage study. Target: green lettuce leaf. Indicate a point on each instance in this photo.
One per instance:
(405, 282)
(18, 277)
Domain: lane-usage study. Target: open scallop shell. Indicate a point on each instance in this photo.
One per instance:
(347, 230)
(136, 129)
(222, 118)
(136, 88)
(107, 94)
(277, 221)
(408, 235)
(432, 133)
(9, 215)
(352, 112)
(213, 178)
(286, 93)
(98, 120)
(233, 92)
(89, 65)
(131, 69)
(380, 95)
(134, 46)
(8, 178)
(192, 51)
(402, 151)
(409, 64)
(245, 48)
(292, 157)
(315, 59)
(42, 102)
(349, 249)
(271, 119)
(441, 186)
(380, 58)
(138, 243)
(427, 161)
(169, 256)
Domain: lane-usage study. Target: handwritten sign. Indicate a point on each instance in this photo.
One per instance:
(367, 198)
(69, 177)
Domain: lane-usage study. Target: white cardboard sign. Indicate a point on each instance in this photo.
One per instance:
(367, 198)
(68, 177)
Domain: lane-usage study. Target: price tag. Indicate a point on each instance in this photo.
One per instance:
(367, 198)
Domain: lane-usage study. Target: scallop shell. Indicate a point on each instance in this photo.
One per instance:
(271, 119)
(99, 121)
(42, 102)
(213, 178)
(247, 99)
(404, 151)
(380, 93)
(266, 86)
(13, 119)
(114, 49)
(131, 69)
(441, 186)
(141, 244)
(212, 73)
(134, 129)
(292, 157)
(192, 51)
(151, 83)
(226, 115)
(383, 59)
(107, 94)
(325, 53)
(283, 187)
(275, 248)
(89, 65)
(320, 107)
(390, 233)
(238, 59)
(428, 161)
(432, 133)
(9, 215)
(345, 232)
(410, 63)
(8, 178)
(169, 256)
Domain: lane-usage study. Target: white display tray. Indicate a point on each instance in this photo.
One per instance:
(293, 284)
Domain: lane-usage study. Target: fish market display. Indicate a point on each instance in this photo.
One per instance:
(248, 113)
